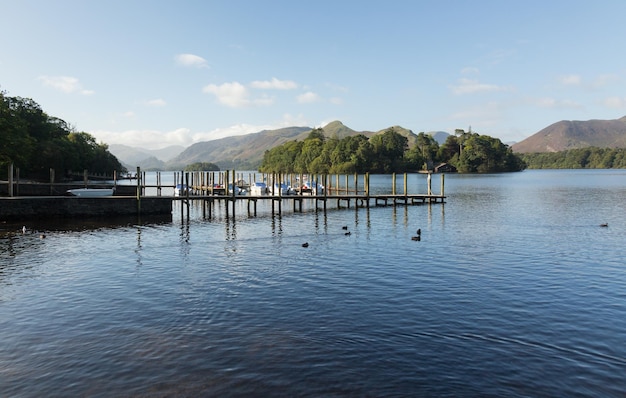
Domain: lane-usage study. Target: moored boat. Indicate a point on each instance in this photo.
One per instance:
(238, 190)
(91, 192)
(258, 189)
(180, 190)
(281, 189)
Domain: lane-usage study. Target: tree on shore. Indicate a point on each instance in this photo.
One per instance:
(580, 158)
(35, 142)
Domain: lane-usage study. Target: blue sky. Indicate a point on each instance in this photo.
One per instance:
(158, 73)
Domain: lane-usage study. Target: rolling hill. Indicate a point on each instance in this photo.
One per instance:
(572, 134)
(238, 152)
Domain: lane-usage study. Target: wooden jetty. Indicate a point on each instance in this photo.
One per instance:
(206, 190)
(210, 189)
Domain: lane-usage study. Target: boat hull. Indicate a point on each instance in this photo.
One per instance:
(91, 192)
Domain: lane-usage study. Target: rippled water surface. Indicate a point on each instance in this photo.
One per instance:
(513, 290)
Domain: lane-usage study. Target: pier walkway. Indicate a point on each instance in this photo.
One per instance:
(211, 189)
(204, 190)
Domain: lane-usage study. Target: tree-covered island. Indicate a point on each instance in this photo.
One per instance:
(389, 152)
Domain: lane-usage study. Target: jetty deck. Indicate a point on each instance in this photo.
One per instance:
(209, 191)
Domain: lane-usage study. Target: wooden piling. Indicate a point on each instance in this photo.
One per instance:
(10, 175)
(406, 190)
(138, 190)
(442, 185)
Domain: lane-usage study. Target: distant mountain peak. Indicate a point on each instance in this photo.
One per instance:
(336, 129)
(573, 134)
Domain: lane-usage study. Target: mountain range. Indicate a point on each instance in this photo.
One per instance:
(239, 152)
(246, 151)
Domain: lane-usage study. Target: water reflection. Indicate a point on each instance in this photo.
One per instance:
(493, 302)
(138, 248)
(230, 229)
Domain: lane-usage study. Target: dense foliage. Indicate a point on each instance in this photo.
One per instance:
(36, 142)
(202, 166)
(389, 152)
(582, 158)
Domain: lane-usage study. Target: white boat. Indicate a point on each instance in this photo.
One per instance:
(282, 189)
(180, 190)
(91, 192)
(314, 188)
(258, 189)
(238, 190)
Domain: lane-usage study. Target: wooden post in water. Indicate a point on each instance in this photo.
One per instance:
(158, 175)
(138, 190)
(442, 179)
(51, 180)
(234, 191)
(187, 192)
(85, 177)
(226, 178)
(429, 184)
(393, 183)
(367, 189)
(405, 187)
(280, 193)
(10, 174)
(326, 180)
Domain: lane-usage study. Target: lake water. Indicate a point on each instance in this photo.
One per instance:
(514, 290)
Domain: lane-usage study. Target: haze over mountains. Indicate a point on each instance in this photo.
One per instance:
(246, 151)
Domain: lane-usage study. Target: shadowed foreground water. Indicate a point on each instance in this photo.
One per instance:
(513, 290)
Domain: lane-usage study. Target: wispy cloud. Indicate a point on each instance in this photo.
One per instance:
(615, 102)
(337, 87)
(156, 103)
(570, 80)
(471, 86)
(66, 84)
(470, 70)
(552, 103)
(308, 98)
(605, 80)
(235, 95)
(191, 60)
(274, 84)
(231, 94)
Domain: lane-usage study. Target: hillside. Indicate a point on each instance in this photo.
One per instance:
(439, 136)
(147, 159)
(572, 134)
(240, 152)
(246, 151)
